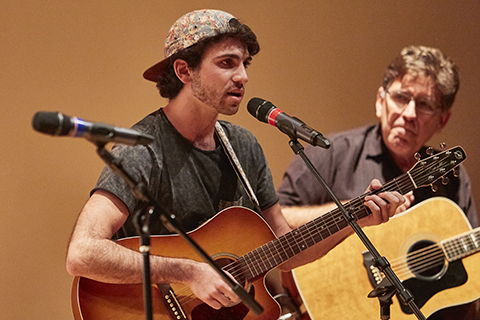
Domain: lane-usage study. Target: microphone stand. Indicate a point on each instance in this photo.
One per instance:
(391, 283)
(141, 221)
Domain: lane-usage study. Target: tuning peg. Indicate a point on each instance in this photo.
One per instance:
(417, 156)
(429, 151)
(445, 180)
(443, 146)
(456, 173)
(434, 187)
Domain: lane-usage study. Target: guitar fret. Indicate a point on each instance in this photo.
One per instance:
(304, 241)
(296, 247)
(475, 239)
(462, 245)
(317, 236)
(262, 258)
(289, 250)
(281, 251)
(273, 254)
(253, 263)
(240, 265)
(323, 232)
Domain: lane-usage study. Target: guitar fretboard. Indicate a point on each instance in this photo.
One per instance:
(462, 245)
(274, 253)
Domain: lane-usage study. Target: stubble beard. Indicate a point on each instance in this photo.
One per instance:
(210, 97)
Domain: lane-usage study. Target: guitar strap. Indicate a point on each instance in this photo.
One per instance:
(227, 147)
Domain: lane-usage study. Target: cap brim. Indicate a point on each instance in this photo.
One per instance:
(154, 72)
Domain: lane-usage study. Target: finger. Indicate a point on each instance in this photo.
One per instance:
(375, 184)
(379, 207)
(233, 297)
(213, 303)
(223, 298)
(395, 199)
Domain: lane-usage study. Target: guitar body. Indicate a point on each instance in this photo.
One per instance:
(230, 234)
(336, 286)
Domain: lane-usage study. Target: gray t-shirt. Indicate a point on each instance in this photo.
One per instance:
(186, 181)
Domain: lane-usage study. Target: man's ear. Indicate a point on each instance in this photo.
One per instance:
(181, 70)
(444, 117)
(379, 102)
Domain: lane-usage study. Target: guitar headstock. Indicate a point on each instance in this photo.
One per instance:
(425, 172)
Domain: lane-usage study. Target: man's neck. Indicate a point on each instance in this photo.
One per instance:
(403, 163)
(194, 121)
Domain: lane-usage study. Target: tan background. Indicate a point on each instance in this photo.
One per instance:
(321, 61)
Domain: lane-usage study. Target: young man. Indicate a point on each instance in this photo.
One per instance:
(413, 103)
(186, 169)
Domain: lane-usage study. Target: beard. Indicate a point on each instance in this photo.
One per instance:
(211, 97)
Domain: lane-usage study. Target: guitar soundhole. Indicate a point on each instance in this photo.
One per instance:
(426, 260)
(226, 260)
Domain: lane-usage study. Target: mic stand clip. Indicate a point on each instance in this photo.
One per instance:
(384, 294)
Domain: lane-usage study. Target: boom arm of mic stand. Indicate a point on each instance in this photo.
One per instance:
(381, 262)
(141, 193)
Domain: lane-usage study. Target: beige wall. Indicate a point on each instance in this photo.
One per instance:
(320, 60)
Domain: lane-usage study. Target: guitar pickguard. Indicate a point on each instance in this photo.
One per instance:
(423, 290)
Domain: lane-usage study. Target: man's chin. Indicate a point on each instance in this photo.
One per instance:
(400, 145)
(230, 110)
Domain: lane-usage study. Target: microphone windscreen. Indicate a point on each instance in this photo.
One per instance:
(52, 123)
(260, 108)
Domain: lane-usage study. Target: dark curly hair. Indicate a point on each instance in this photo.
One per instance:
(168, 83)
(430, 62)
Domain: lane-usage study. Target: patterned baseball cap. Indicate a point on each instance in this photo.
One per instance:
(187, 31)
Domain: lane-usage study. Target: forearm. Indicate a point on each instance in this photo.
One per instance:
(106, 261)
(92, 254)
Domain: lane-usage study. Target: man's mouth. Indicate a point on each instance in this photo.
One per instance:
(235, 94)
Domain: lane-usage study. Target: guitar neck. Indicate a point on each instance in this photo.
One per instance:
(274, 253)
(462, 245)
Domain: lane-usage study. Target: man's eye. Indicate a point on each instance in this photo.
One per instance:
(401, 97)
(425, 105)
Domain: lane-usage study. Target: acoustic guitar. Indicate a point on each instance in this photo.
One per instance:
(241, 242)
(430, 247)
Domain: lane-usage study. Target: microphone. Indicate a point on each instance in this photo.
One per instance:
(58, 124)
(295, 128)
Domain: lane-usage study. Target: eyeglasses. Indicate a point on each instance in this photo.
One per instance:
(422, 105)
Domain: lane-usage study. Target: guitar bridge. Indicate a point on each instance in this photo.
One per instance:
(170, 302)
(375, 276)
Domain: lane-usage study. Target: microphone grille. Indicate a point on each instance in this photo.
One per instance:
(260, 108)
(50, 123)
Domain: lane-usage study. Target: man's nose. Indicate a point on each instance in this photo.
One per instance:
(410, 110)
(240, 75)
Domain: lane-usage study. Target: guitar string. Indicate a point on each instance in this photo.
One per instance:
(417, 262)
(336, 216)
(429, 257)
(433, 256)
(360, 199)
(331, 219)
